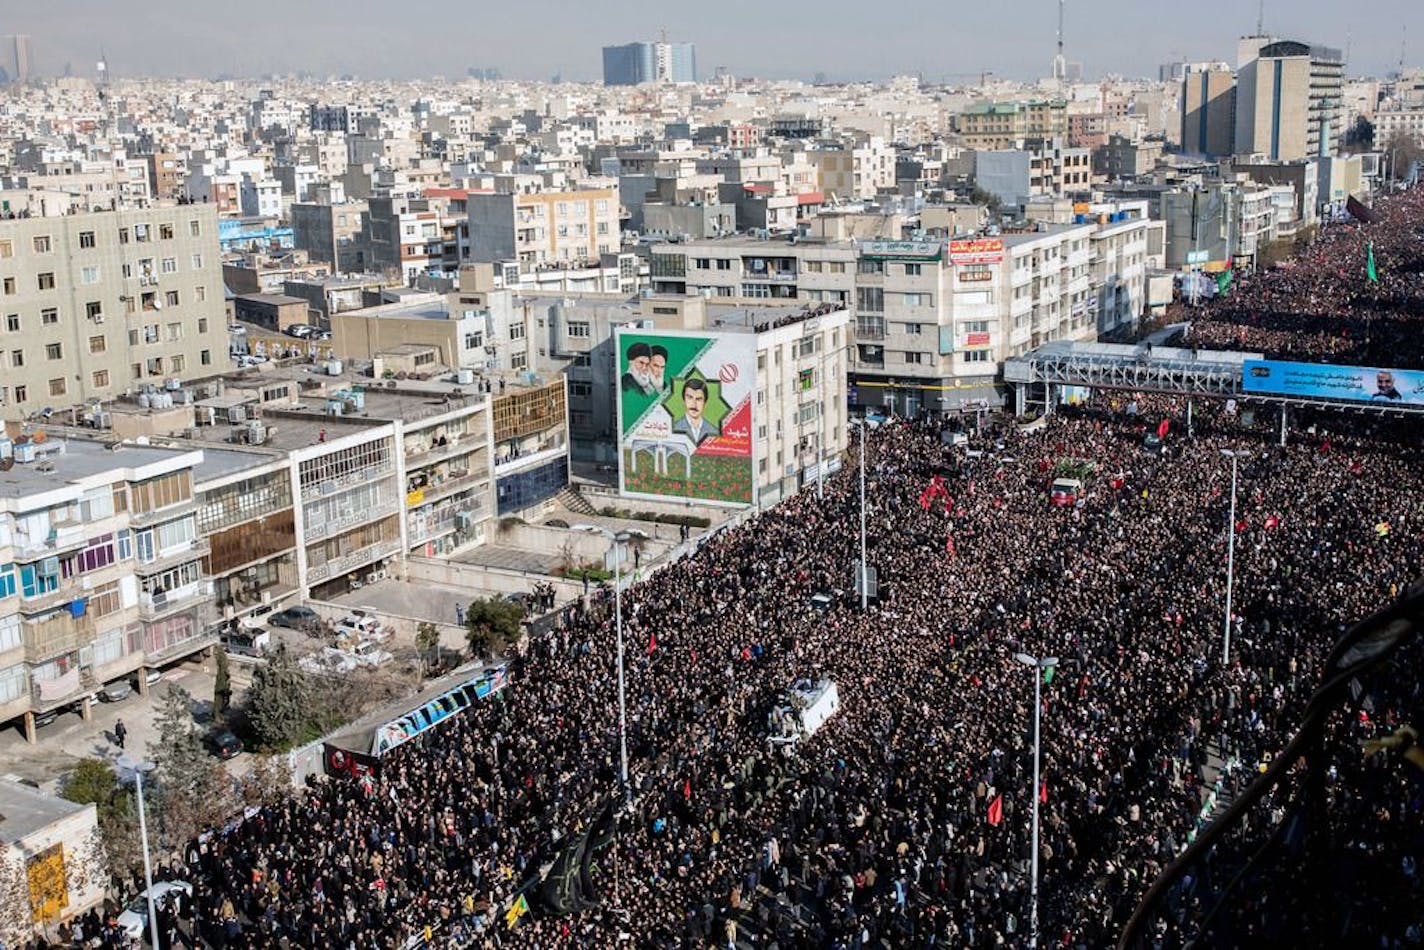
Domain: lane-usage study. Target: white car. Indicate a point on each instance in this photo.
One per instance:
(134, 919)
(237, 329)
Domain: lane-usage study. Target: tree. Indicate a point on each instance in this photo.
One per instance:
(1360, 136)
(427, 641)
(269, 780)
(188, 791)
(91, 782)
(490, 624)
(279, 702)
(1403, 151)
(222, 686)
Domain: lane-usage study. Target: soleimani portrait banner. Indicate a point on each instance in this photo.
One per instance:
(685, 415)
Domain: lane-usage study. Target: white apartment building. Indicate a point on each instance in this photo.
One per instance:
(544, 229)
(101, 568)
(933, 320)
(854, 172)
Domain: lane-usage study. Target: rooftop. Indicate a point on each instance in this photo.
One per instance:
(65, 460)
(25, 810)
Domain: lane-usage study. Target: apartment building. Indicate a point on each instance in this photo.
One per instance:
(544, 229)
(101, 568)
(1208, 109)
(933, 320)
(853, 172)
(1288, 100)
(996, 125)
(99, 303)
(330, 233)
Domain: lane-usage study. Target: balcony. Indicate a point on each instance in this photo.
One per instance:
(199, 548)
(349, 520)
(160, 515)
(530, 460)
(56, 635)
(160, 604)
(347, 562)
(63, 536)
(467, 444)
(63, 689)
(449, 486)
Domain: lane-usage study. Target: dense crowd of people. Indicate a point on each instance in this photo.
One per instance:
(904, 820)
(1322, 306)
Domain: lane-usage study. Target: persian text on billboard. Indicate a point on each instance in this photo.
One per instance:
(977, 251)
(1385, 387)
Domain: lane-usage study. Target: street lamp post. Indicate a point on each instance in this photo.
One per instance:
(619, 540)
(138, 768)
(1230, 562)
(1038, 665)
(864, 567)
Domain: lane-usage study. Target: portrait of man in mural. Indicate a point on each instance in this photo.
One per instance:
(694, 422)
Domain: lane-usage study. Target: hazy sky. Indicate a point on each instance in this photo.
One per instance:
(845, 39)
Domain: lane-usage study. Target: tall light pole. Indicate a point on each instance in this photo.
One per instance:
(1038, 665)
(619, 540)
(138, 768)
(864, 567)
(1230, 561)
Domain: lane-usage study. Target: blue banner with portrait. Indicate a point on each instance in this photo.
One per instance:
(1385, 387)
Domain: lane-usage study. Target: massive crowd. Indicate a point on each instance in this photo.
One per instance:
(876, 828)
(1321, 306)
(904, 820)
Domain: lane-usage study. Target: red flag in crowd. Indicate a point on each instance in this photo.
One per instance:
(1162, 428)
(652, 642)
(1242, 525)
(687, 789)
(949, 546)
(694, 654)
(1117, 482)
(1043, 792)
(1272, 521)
(996, 810)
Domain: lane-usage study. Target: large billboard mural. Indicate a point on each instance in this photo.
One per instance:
(685, 415)
(1386, 387)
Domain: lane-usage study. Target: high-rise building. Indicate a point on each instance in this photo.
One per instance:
(19, 59)
(635, 63)
(1289, 99)
(1208, 109)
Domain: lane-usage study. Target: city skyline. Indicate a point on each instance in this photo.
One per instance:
(377, 41)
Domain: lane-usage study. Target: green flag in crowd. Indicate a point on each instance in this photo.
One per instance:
(1048, 674)
(1223, 281)
(1371, 274)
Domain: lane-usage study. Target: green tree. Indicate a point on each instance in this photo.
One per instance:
(427, 641)
(279, 702)
(191, 791)
(116, 849)
(222, 686)
(490, 624)
(91, 782)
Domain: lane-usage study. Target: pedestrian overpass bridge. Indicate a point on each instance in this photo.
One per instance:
(1038, 377)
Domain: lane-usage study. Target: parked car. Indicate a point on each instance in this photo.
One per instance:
(237, 329)
(244, 641)
(222, 743)
(357, 626)
(300, 330)
(46, 717)
(134, 920)
(295, 617)
(116, 691)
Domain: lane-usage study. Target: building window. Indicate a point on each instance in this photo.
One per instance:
(702, 263)
(200, 294)
(870, 299)
(42, 244)
(123, 235)
(578, 329)
(12, 322)
(759, 291)
(98, 344)
(206, 358)
(580, 388)
(914, 329)
(813, 267)
(976, 356)
(165, 232)
(516, 331)
(913, 270)
(916, 300)
(46, 280)
(94, 310)
(17, 358)
(724, 263)
(7, 250)
(86, 239)
(22, 394)
(194, 228)
(976, 326)
(914, 357)
(10, 287)
(170, 265)
(176, 362)
(57, 387)
(197, 262)
(519, 361)
(202, 325)
(100, 379)
(54, 351)
(171, 298)
(49, 316)
(870, 267)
